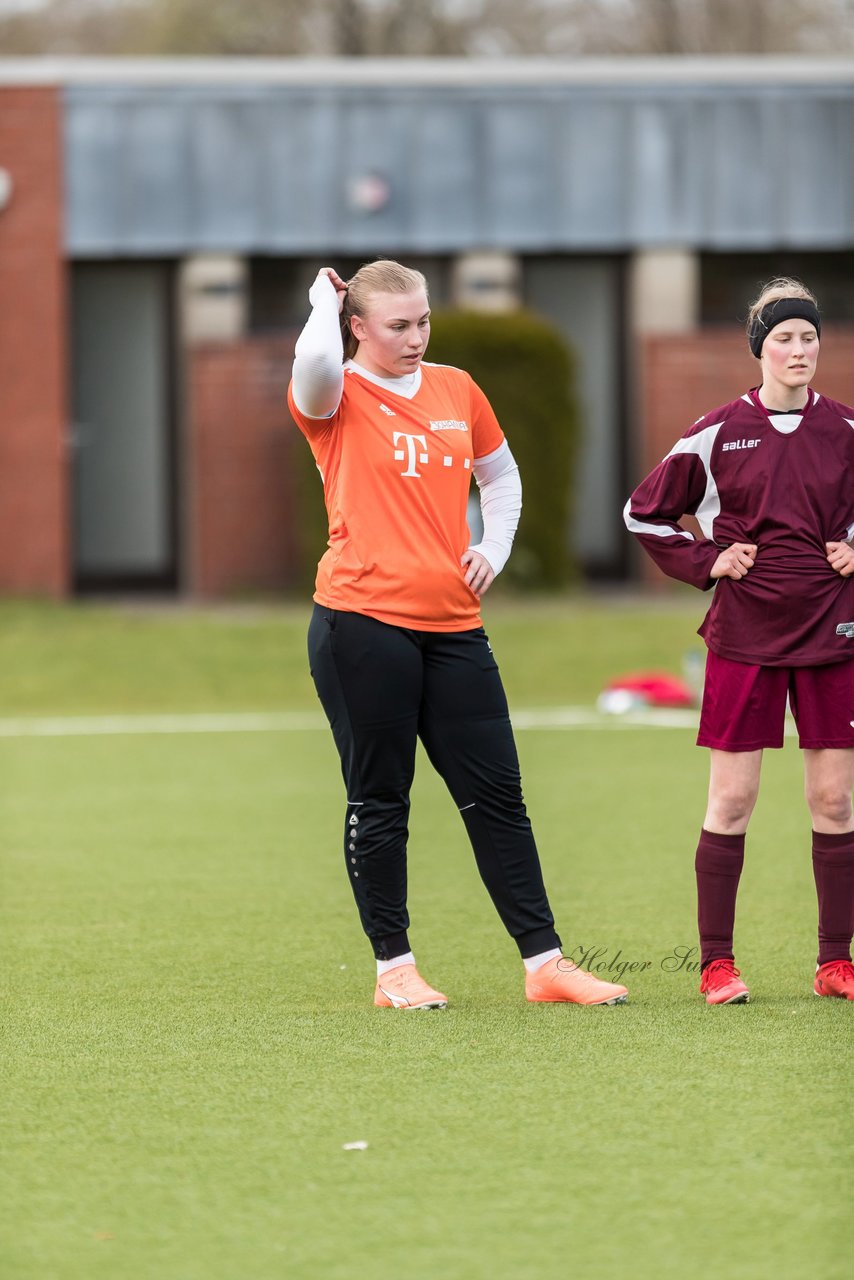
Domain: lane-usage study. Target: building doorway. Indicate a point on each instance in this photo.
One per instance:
(124, 437)
(583, 298)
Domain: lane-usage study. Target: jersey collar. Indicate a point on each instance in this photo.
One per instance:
(407, 386)
(812, 397)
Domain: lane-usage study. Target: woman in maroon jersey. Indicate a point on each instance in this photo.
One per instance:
(770, 480)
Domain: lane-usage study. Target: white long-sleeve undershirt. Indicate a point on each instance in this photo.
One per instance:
(318, 383)
(500, 487)
(318, 373)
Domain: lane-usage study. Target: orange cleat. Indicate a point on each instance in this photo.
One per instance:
(836, 978)
(560, 981)
(721, 984)
(404, 988)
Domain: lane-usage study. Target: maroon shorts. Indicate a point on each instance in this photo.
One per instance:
(744, 705)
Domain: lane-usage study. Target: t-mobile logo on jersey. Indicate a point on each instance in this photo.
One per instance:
(410, 454)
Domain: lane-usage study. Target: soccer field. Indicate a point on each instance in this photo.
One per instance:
(190, 1046)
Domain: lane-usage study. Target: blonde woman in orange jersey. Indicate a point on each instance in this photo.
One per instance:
(396, 643)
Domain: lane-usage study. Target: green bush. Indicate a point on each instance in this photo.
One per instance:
(528, 373)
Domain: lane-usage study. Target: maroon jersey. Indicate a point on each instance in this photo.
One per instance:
(784, 481)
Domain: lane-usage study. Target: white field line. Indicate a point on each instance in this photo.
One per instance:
(290, 722)
(554, 718)
(302, 721)
(218, 722)
(590, 718)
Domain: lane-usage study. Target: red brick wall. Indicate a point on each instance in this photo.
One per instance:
(685, 376)
(34, 515)
(243, 534)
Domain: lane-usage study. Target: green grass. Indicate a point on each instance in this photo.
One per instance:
(189, 1041)
(148, 658)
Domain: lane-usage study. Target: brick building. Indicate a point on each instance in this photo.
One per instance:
(160, 223)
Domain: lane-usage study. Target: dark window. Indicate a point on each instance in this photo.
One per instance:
(730, 282)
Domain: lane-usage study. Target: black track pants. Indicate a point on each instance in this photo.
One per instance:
(382, 687)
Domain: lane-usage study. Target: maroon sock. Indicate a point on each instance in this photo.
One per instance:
(833, 868)
(718, 865)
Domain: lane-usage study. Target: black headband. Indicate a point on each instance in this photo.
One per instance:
(775, 313)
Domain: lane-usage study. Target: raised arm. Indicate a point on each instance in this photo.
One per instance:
(318, 373)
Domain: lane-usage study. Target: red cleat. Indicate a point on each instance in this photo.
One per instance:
(721, 984)
(836, 978)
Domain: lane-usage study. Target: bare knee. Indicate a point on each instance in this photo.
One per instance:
(730, 807)
(733, 788)
(829, 805)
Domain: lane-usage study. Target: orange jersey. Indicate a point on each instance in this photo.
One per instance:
(396, 478)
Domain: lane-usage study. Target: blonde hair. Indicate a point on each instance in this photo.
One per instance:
(383, 276)
(773, 291)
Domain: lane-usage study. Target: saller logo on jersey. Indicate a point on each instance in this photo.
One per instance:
(846, 629)
(740, 444)
(449, 424)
